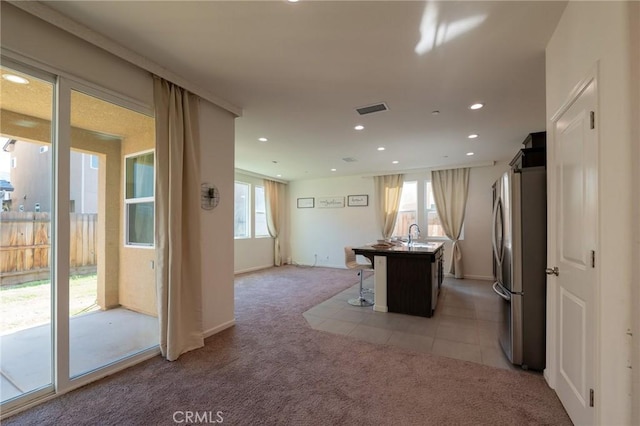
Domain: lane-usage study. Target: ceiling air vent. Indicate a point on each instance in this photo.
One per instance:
(349, 160)
(372, 108)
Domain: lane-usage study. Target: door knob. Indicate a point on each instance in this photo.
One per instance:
(552, 271)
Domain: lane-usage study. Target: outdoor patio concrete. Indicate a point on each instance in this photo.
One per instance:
(97, 338)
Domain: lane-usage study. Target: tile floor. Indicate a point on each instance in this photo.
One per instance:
(464, 325)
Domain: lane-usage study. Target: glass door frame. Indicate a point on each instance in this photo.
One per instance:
(49, 389)
(63, 85)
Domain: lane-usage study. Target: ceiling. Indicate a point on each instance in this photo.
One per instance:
(32, 105)
(299, 70)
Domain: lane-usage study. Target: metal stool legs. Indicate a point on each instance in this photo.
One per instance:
(361, 300)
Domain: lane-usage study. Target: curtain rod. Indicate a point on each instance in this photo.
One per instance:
(85, 33)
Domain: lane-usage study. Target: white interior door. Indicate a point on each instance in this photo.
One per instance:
(575, 214)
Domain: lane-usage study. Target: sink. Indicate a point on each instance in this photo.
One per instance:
(421, 245)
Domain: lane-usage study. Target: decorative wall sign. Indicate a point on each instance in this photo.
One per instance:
(305, 203)
(357, 200)
(330, 202)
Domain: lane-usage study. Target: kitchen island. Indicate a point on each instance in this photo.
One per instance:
(407, 278)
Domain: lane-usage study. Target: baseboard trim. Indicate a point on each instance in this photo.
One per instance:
(547, 378)
(219, 328)
(252, 269)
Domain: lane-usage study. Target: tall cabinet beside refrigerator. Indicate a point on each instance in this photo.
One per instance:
(519, 240)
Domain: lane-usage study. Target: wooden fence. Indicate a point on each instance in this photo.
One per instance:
(25, 245)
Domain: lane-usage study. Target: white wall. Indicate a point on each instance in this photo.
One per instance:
(217, 136)
(634, 17)
(32, 38)
(591, 33)
(325, 232)
(476, 246)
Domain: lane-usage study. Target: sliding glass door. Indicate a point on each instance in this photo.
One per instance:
(26, 234)
(77, 250)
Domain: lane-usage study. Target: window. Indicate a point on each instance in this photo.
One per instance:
(261, 229)
(241, 211)
(414, 208)
(139, 199)
(408, 212)
(94, 161)
(434, 227)
(44, 149)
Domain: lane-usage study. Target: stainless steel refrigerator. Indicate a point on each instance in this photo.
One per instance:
(519, 261)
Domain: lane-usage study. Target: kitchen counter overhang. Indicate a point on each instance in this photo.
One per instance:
(418, 249)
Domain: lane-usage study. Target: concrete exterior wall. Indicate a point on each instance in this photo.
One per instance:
(31, 178)
(137, 283)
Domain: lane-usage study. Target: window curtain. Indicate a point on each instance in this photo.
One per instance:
(388, 192)
(450, 189)
(273, 194)
(178, 276)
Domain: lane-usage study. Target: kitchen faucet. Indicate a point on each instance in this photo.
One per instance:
(418, 234)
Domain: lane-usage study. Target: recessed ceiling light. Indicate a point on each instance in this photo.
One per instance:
(26, 123)
(435, 112)
(476, 106)
(263, 139)
(469, 153)
(15, 78)
(472, 136)
(333, 170)
(395, 162)
(292, 1)
(278, 175)
(381, 148)
(359, 127)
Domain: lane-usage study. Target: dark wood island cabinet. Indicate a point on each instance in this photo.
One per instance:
(414, 276)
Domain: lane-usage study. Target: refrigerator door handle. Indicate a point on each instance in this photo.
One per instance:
(500, 292)
(494, 243)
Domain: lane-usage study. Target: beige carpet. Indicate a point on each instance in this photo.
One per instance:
(272, 368)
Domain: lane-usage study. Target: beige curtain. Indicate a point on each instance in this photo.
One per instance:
(388, 192)
(273, 194)
(178, 276)
(450, 188)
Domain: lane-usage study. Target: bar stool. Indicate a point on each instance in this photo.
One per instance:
(351, 263)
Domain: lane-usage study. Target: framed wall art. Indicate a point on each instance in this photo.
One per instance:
(357, 200)
(330, 202)
(306, 203)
